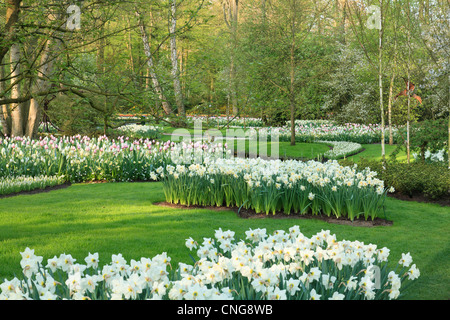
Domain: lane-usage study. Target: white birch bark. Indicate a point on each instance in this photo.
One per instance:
(380, 79)
(174, 57)
(231, 9)
(151, 67)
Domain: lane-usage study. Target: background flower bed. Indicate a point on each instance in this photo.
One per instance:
(81, 158)
(312, 130)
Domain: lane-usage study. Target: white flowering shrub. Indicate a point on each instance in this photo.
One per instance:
(270, 186)
(280, 266)
(439, 156)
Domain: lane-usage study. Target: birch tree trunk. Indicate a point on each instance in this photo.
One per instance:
(16, 108)
(7, 34)
(408, 156)
(380, 78)
(231, 9)
(151, 67)
(291, 89)
(174, 57)
(292, 73)
(234, 99)
(391, 88)
(391, 85)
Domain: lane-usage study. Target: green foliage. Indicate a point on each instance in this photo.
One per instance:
(74, 115)
(429, 134)
(416, 178)
(400, 111)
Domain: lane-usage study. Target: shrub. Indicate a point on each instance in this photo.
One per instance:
(429, 135)
(416, 178)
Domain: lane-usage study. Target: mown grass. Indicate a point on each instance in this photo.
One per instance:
(373, 151)
(113, 218)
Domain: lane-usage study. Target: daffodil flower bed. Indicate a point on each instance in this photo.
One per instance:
(280, 266)
(140, 131)
(270, 186)
(23, 183)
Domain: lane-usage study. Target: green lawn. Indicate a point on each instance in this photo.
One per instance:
(113, 218)
(373, 151)
(304, 151)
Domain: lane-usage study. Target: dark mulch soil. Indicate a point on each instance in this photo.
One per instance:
(444, 201)
(47, 189)
(251, 214)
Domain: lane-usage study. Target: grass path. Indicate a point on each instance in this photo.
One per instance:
(113, 218)
(373, 151)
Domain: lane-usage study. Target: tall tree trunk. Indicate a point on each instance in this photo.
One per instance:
(7, 33)
(232, 7)
(101, 52)
(16, 108)
(45, 70)
(344, 18)
(408, 156)
(174, 57)
(380, 78)
(130, 47)
(391, 85)
(5, 116)
(292, 95)
(156, 85)
(292, 76)
(391, 88)
(233, 70)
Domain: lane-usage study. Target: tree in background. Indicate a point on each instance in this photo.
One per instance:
(280, 60)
